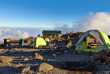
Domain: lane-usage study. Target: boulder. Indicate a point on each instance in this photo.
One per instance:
(38, 57)
(5, 59)
(23, 69)
(1, 50)
(26, 59)
(44, 67)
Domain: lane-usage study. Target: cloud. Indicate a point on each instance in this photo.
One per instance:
(7, 33)
(100, 21)
(20, 32)
(64, 28)
(2, 31)
(20, 35)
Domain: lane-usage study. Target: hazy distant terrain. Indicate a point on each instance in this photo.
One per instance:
(19, 32)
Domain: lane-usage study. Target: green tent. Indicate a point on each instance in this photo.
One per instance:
(93, 40)
(38, 42)
(21, 43)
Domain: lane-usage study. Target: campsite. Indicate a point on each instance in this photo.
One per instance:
(56, 53)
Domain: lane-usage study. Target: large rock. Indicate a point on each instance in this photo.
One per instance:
(5, 59)
(23, 69)
(1, 50)
(38, 57)
(44, 67)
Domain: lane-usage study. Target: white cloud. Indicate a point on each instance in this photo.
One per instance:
(20, 35)
(2, 31)
(7, 33)
(20, 32)
(100, 21)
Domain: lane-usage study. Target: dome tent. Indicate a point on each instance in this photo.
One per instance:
(21, 43)
(93, 40)
(47, 40)
(37, 42)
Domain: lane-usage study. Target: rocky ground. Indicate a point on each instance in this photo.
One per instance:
(48, 61)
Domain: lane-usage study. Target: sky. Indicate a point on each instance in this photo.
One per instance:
(48, 13)
(25, 18)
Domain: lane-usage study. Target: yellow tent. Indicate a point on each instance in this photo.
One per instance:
(37, 42)
(47, 40)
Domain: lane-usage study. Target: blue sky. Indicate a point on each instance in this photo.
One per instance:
(47, 13)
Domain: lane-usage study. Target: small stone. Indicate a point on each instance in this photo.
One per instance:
(30, 72)
(54, 44)
(68, 43)
(15, 52)
(1, 50)
(57, 53)
(44, 67)
(54, 55)
(22, 56)
(49, 60)
(26, 59)
(37, 64)
(38, 57)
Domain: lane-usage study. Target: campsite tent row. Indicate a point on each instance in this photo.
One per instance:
(92, 40)
(36, 42)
